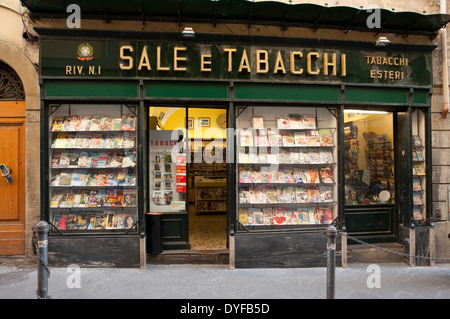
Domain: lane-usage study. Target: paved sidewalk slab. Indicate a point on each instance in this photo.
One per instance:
(396, 281)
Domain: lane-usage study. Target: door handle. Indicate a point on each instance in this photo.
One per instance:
(6, 172)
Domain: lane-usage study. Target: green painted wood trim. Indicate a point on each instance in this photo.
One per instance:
(176, 89)
(421, 97)
(263, 91)
(376, 95)
(91, 89)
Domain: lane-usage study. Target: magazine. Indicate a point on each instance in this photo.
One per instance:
(326, 138)
(313, 194)
(57, 124)
(312, 138)
(309, 121)
(288, 139)
(300, 139)
(128, 123)
(326, 157)
(312, 175)
(326, 193)
(279, 217)
(301, 194)
(257, 122)
(295, 121)
(313, 156)
(417, 199)
(283, 121)
(129, 198)
(417, 186)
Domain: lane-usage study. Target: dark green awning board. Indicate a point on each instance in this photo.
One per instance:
(92, 89)
(243, 11)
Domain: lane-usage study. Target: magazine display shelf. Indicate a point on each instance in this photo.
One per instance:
(208, 180)
(286, 169)
(93, 168)
(419, 169)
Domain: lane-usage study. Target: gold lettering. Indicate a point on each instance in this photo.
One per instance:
(129, 65)
(99, 70)
(397, 75)
(372, 61)
(144, 61)
(244, 63)
(309, 63)
(327, 64)
(68, 70)
(177, 59)
(372, 74)
(368, 59)
(395, 61)
(262, 61)
(279, 64)
(204, 63)
(343, 65)
(158, 61)
(390, 61)
(79, 69)
(230, 58)
(91, 69)
(292, 60)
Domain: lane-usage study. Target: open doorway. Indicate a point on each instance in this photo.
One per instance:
(207, 179)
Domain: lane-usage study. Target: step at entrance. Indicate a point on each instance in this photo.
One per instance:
(366, 254)
(220, 257)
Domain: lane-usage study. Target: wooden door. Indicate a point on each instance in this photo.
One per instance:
(12, 194)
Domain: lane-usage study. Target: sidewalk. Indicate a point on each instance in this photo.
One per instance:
(397, 281)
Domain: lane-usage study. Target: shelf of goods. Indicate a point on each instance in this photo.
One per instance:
(286, 172)
(92, 176)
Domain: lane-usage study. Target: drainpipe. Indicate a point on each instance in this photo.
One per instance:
(445, 93)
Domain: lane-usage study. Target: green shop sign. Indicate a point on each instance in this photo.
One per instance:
(145, 59)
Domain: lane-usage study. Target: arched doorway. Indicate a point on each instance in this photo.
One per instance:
(12, 156)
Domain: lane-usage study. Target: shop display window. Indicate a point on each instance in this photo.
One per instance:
(92, 168)
(287, 168)
(369, 157)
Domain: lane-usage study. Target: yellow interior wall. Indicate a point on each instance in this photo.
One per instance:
(377, 123)
(177, 120)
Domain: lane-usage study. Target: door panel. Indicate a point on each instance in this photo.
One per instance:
(12, 199)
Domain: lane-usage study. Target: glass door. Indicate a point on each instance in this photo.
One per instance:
(370, 183)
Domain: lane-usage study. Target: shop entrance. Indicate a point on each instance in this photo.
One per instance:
(192, 198)
(370, 180)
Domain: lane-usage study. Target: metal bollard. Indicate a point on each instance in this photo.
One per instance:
(43, 272)
(331, 260)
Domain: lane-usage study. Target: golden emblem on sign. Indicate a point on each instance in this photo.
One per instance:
(85, 52)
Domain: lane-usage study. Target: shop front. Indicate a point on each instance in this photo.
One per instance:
(259, 143)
